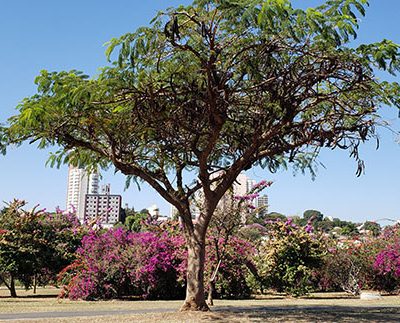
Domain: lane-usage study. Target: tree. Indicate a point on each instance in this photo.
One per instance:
(372, 227)
(232, 213)
(312, 215)
(18, 249)
(215, 88)
(134, 220)
(35, 242)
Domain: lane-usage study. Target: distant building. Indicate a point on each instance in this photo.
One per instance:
(262, 205)
(173, 212)
(105, 207)
(83, 198)
(93, 183)
(154, 211)
(241, 187)
(243, 184)
(80, 184)
(106, 189)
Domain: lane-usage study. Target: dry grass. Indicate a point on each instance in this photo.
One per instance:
(320, 307)
(302, 316)
(46, 301)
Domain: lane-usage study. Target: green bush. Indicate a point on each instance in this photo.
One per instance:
(289, 257)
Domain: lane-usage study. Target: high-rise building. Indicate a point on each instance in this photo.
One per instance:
(243, 185)
(94, 183)
(262, 205)
(80, 183)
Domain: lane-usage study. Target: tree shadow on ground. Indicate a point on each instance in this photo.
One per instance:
(332, 297)
(28, 297)
(305, 314)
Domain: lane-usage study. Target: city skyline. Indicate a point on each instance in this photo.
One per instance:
(46, 35)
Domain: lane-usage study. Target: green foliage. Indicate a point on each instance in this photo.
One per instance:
(349, 229)
(373, 227)
(313, 215)
(35, 243)
(289, 257)
(337, 226)
(134, 221)
(274, 216)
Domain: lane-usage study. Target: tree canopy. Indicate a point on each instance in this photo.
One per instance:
(35, 244)
(215, 88)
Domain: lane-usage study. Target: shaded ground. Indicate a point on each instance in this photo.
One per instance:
(274, 308)
(250, 314)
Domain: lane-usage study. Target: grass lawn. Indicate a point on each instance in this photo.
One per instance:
(319, 307)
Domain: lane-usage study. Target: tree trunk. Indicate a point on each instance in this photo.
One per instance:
(34, 283)
(212, 289)
(195, 297)
(211, 292)
(12, 287)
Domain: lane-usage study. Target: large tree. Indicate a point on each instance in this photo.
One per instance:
(213, 89)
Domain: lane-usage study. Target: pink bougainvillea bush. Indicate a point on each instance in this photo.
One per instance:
(119, 263)
(363, 263)
(387, 265)
(151, 265)
(235, 255)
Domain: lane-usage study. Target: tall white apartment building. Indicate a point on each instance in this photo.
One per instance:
(243, 184)
(80, 183)
(262, 205)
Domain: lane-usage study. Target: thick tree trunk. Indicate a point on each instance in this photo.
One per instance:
(195, 296)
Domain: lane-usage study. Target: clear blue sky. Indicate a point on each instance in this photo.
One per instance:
(63, 35)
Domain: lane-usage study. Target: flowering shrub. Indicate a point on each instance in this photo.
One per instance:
(362, 263)
(289, 256)
(151, 265)
(232, 274)
(387, 265)
(118, 263)
(346, 268)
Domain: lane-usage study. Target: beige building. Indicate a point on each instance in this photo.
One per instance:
(104, 207)
(83, 198)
